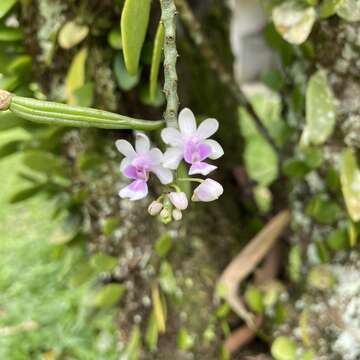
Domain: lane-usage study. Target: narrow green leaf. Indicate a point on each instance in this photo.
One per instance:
(156, 60)
(26, 194)
(109, 295)
(5, 6)
(134, 24)
(9, 120)
(350, 183)
(10, 148)
(75, 78)
(329, 7)
(132, 350)
(114, 39)
(44, 162)
(320, 110)
(152, 333)
(10, 34)
(163, 245)
(103, 263)
(67, 230)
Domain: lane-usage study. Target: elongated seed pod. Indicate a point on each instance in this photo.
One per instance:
(46, 112)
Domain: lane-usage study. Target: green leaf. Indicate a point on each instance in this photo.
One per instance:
(320, 277)
(338, 240)
(72, 34)
(84, 96)
(295, 168)
(350, 183)
(44, 162)
(132, 350)
(5, 6)
(103, 263)
(167, 278)
(328, 8)
(114, 39)
(109, 295)
(295, 263)
(125, 81)
(82, 275)
(146, 99)
(163, 245)
(324, 210)
(283, 348)
(349, 10)
(263, 198)
(261, 161)
(185, 341)
(10, 148)
(294, 21)
(152, 333)
(26, 194)
(156, 60)
(10, 34)
(254, 299)
(75, 78)
(134, 24)
(110, 225)
(320, 110)
(68, 229)
(9, 120)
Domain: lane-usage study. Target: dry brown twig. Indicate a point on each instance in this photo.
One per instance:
(241, 267)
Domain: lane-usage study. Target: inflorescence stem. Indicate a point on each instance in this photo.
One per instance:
(168, 13)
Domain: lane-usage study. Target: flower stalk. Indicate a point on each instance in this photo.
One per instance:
(168, 13)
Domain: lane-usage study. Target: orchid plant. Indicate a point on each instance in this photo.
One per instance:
(190, 144)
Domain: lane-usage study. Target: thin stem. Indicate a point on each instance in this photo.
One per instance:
(194, 28)
(198, 180)
(168, 12)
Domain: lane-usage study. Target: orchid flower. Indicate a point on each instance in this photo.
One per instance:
(138, 164)
(192, 144)
(208, 190)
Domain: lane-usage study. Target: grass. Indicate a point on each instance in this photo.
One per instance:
(41, 317)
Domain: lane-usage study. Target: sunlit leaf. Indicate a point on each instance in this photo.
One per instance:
(114, 39)
(152, 333)
(156, 60)
(5, 6)
(109, 295)
(329, 7)
(185, 341)
(75, 78)
(320, 110)
(283, 348)
(350, 183)
(103, 263)
(10, 34)
(134, 24)
(72, 34)
(26, 193)
(349, 10)
(294, 21)
(261, 161)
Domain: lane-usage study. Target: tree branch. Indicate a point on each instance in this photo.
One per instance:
(194, 28)
(168, 12)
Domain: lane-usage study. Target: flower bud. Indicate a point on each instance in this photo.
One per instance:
(165, 215)
(154, 208)
(177, 214)
(179, 200)
(5, 100)
(208, 190)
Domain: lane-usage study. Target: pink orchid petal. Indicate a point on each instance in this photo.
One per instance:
(130, 172)
(201, 168)
(207, 128)
(204, 151)
(216, 149)
(137, 190)
(209, 190)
